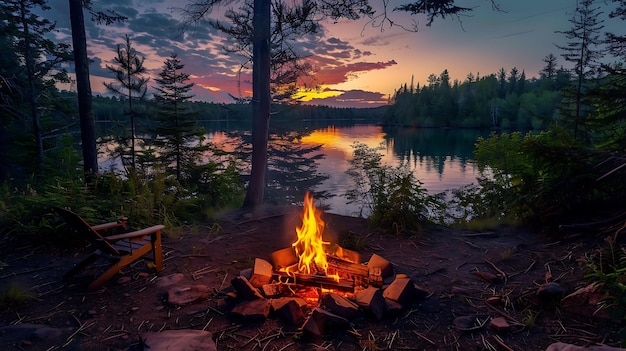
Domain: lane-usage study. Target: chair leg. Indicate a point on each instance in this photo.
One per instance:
(80, 266)
(157, 252)
(109, 273)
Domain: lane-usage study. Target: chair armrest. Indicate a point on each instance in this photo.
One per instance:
(108, 225)
(137, 233)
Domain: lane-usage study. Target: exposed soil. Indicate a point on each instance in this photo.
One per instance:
(441, 260)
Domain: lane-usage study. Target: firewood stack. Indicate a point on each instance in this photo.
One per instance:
(322, 301)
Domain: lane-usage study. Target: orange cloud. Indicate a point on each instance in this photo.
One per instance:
(334, 72)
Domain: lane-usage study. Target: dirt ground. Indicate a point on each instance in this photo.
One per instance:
(442, 261)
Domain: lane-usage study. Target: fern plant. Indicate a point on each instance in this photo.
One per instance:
(607, 266)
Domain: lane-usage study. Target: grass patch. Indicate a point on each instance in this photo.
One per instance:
(353, 241)
(15, 295)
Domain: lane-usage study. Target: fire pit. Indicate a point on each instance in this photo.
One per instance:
(311, 261)
(324, 280)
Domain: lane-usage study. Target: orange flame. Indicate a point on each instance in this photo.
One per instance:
(309, 246)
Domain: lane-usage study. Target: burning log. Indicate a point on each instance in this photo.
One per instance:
(317, 281)
(344, 267)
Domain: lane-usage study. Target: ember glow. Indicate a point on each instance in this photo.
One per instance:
(309, 245)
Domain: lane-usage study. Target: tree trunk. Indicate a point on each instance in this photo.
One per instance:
(32, 94)
(261, 102)
(83, 87)
(4, 153)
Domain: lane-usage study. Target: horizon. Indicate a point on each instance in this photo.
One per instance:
(358, 65)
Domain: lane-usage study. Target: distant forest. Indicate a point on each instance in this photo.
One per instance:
(108, 110)
(504, 100)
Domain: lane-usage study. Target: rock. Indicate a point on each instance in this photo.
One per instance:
(339, 305)
(467, 323)
(551, 291)
(393, 307)
(291, 313)
(252, 310)
(313, 328)
(245, 290)
(276, 304)
(400, 290)
(590, 294)
(187, 294)
(170, 280)
(584, 301)
(500, 324)
(320, 320)
(559, 346)
(372, 300)
(179, 340)
(33, 336)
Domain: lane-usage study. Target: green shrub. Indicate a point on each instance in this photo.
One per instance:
(394, 199)
(606, 266)
(545, 178)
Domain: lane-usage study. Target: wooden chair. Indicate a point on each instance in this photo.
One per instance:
(121, 249)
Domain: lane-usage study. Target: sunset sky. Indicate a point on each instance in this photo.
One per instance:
(357, 65)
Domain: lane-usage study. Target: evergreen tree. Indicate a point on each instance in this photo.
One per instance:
(549, 70)
(502, 83)
(9, 97)
(40, 56)
(520, 87)
(584, 51)
(513, 78)
(611, 94)
(128, 69)
(179, 141)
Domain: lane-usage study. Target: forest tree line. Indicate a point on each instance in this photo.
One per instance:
(506, 100)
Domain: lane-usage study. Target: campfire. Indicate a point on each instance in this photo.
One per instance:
(313, 262)
(321, 278)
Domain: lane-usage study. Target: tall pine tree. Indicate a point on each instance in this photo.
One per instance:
(584, 51)
(130, 83)
(40, 56)
(179, 141)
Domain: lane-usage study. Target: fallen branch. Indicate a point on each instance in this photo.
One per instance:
(496, 268)
(487, 234)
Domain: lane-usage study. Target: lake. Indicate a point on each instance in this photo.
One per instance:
(440, 158)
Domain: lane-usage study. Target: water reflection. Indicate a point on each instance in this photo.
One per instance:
(440, 158)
